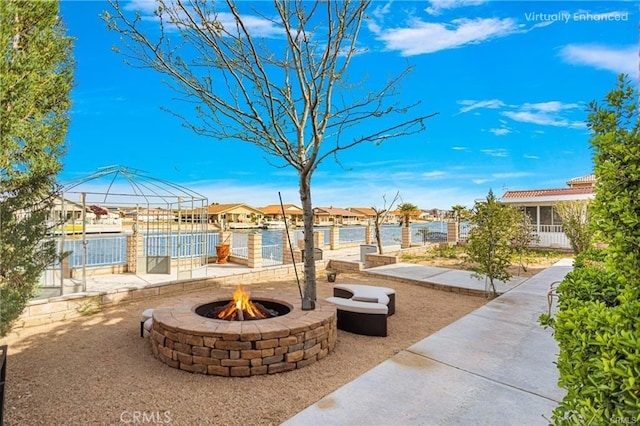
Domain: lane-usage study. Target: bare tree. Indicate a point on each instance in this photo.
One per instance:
(381, 217)
(276, 79)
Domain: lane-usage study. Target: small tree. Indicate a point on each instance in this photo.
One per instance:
(381, 216)
(523, 237)
(407, 211)
(36, 73)
(489, 242)
(575, 218)
(286, 93)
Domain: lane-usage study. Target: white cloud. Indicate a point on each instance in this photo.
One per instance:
(459, 148)
(437, 6)
(552, 106)
(511, 175)
(617, 60)
(501, 153)
(552, 113)
(502, 131)
(531, 157)
(481, 181)
(422, 37)
(470, 105)
(543, 119)
(436, 174)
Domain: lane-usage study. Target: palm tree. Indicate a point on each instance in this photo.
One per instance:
(407, 210)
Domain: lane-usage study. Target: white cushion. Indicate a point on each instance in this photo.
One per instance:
(148, 313)
(351, 305)
(355, 288)
(148, 324)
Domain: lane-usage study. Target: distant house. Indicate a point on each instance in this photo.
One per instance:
(292, 213)
(150, 215)
(538, 204)
(233, 215)
(329, 216)
(72, 214)
(369, 216)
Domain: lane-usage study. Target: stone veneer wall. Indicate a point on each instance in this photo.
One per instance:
(243, 348)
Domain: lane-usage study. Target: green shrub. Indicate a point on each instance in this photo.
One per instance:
(592, 256)
(597, 324)
(599, 363)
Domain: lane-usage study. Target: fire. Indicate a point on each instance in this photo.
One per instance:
(241, 307)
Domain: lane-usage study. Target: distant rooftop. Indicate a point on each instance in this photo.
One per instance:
(589, 180)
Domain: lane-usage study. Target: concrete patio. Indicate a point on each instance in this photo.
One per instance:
(493, 366)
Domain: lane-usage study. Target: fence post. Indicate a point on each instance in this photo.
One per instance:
(406, 238)
(135, 252)
(452, 232)
(318, 239)
(334, 237)
(254, 244)
(368, 234)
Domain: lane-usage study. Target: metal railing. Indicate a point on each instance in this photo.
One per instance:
(272, 255)
(352, 235)
(242, 252)
(101, 251)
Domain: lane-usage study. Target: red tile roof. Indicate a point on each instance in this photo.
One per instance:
(547, 192)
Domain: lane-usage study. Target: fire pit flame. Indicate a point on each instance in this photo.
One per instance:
(241, 308)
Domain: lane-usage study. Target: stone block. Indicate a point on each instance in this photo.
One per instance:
(272, 359)
(184, 358)
(201, 351)
(294, 356)
(311, 352)
(209, 341)
(240, 371)
(266, 344)
(233, 345)
(194, 368)
(281, 367)
(259, 370)
(195, 340)
(235, 362)
(218, 370)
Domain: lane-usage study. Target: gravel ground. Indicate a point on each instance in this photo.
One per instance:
(96, 370)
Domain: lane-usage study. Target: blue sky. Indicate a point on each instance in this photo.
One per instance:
(510, 80)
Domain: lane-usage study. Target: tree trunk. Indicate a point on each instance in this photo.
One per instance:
(378, 236)
(309, 291)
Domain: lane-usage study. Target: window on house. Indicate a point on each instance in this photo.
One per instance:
(556, 218)
(532, 212)
(546, 215)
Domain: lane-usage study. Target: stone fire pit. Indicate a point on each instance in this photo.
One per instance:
(183, 339)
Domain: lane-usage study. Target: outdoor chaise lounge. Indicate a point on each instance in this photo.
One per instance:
(363, 309)
(367, 293)
(146, 321)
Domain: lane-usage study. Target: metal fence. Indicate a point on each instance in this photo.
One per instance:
(350, 235)
(111, 250)
(272, 255)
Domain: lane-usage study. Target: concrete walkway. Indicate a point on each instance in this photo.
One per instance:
(493, 366)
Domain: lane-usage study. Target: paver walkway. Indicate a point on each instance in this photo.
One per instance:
(494, 366)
